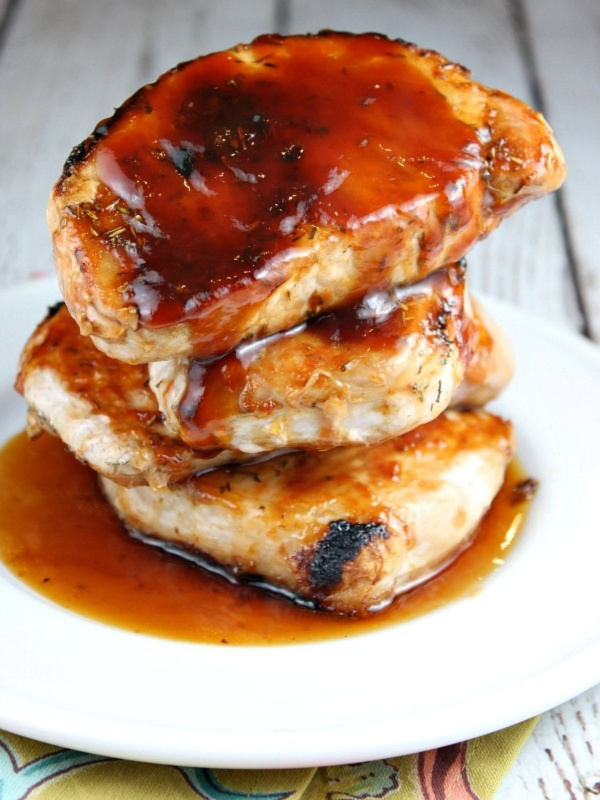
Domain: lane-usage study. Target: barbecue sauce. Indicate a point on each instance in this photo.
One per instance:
(318, 352)
(60, 537)
(212, 174)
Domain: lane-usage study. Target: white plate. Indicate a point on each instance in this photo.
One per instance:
(527, 642)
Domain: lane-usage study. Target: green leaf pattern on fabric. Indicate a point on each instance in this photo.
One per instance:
(471, 770)
(17, 782)
(206, 783)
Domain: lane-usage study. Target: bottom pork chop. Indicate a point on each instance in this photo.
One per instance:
(344, 530)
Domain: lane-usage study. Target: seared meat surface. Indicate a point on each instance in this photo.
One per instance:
(102, 409)
(316, 389)
(491, 364)
(346, 529)
(231, 199)
(358, 375)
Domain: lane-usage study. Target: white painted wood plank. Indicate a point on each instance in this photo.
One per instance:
(567, 50)
(562, 757)
(477, 34)
(524, 261)
(66, 65)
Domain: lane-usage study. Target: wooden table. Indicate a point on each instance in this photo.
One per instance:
(64, 64)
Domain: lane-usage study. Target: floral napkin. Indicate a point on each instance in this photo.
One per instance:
(470, 770)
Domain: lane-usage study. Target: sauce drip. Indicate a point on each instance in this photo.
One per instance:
(59, 536)
(380, 326)
(229, 161)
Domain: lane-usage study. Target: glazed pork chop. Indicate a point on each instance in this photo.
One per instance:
(357, 375)
(344, 530)
(253, 188)
(102, 409)
(106, 413)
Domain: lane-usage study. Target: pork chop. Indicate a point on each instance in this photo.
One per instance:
(102, 409)
(357, 375)
(345, 530)
(252, 188)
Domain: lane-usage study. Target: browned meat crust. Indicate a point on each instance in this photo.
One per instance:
(102, 409)
(346, 529)
(173, 235)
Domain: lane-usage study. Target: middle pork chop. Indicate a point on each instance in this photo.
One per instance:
(108, 416)
(101, 409)
(357, 375)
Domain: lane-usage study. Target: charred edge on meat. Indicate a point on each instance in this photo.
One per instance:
(53, 310)
(81, 151)
(342, 544)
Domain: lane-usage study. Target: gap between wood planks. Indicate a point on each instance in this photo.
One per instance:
(6, 19)
(282, 16)
(524, 43)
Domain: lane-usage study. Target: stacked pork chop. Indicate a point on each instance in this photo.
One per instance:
(268, 351)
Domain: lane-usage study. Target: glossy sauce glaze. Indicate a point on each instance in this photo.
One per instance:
(59, 537)
(320, 355)
(114, 392)
(232, 159)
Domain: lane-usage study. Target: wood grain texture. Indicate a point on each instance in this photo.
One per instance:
(64, 64)
(562, 757)
(572, 101)
(7, 9)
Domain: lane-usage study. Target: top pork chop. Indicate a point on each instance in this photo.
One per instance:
(252, 188)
